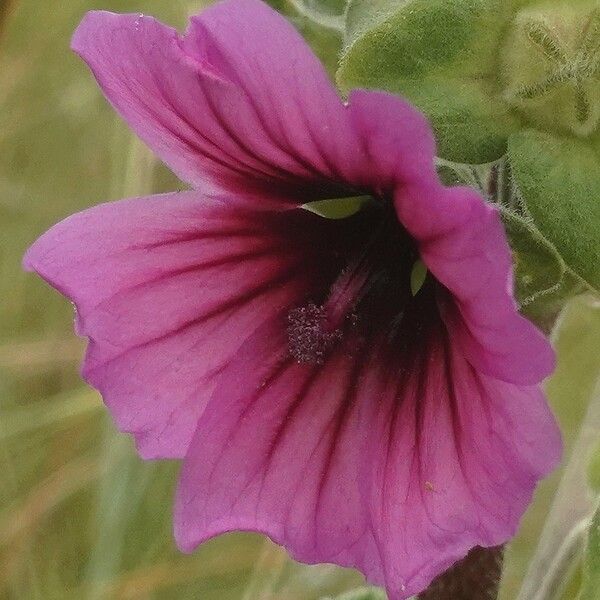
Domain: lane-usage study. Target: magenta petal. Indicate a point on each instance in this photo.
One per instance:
(280, 450)
(474, 262)
(167, 288)
(223, 103)
(456, 458)
(459, 237)
(146, 76)
(289, 96)
(397, 468)
(398, 141)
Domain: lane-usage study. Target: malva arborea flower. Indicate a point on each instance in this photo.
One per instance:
(314, 392)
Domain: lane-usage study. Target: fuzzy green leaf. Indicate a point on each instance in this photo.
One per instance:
(539, 269)
(470, 125)
(323, 13)
(331, 7)
(326, 7)
(559, 179)
(441, 55)
(362, 16)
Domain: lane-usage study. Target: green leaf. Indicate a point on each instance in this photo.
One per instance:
(324, 13)
(441, 55)
(543, 282)
(470, 125)
(338, 208)
(539, 270)
(406, 39)
(329, 7)
(559, 179)
(591, 566)
(362, 16)
(417, 277)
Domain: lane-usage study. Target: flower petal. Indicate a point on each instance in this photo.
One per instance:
(397, 466)
(289, 96)
(143, 72)
(167, 288)
(474, 262)
(279, 450)
(456, 456)
(240, 98)
(460, 239)
(397, 139)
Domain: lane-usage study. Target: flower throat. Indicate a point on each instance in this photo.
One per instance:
(369, 292)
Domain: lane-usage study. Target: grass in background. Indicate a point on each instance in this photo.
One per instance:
(80, 515)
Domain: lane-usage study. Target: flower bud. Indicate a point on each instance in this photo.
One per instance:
(551, 66)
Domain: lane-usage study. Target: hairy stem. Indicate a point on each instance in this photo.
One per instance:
(476, 577)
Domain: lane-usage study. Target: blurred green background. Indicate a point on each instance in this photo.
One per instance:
(80, 515)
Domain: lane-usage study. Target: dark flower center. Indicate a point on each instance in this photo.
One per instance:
(368, 292)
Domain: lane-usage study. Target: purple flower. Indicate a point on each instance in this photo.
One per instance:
(314, 394)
